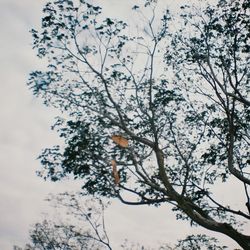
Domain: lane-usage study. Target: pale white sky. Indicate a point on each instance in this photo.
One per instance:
(25, 130)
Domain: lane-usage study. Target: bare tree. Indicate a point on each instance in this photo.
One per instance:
(158, 112)
(84, 229)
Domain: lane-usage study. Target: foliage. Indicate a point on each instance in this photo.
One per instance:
(178, 96)
(199, 242)
(84, 227)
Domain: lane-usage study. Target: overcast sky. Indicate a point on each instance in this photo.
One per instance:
(25, 130)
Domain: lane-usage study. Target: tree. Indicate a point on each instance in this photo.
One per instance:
(84, 227)
(159, 111)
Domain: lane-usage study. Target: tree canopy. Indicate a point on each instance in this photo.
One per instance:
(157, 108)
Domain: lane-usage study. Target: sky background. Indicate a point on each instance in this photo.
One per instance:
(25, 130)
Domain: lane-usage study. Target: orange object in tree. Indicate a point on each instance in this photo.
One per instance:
(120, 140)
(115, 172)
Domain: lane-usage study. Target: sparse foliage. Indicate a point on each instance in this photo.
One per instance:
(199, 242)
(81, 226)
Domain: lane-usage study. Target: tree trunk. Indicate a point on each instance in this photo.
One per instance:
(209, 223)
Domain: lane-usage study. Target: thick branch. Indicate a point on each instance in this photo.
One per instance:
(240, 98)
(231, 167)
